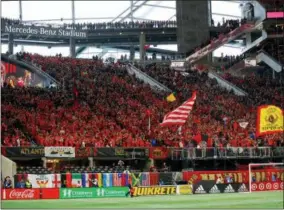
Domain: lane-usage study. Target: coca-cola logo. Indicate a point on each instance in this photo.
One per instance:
(26, 194)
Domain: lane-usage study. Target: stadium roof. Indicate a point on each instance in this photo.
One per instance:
(58, 12)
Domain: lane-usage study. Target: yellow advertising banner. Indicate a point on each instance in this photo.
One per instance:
(269, 120)
(184, 189)
(155, 190)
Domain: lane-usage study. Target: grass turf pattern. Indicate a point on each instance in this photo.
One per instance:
(264, 200)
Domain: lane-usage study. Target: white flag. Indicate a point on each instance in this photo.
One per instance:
(243, 124)
(41, 180)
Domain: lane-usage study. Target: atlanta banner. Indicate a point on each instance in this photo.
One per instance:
(269, 120)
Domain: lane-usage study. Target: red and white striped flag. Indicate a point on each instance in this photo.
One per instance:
(180, 114)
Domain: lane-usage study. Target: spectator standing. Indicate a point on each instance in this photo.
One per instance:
(21, 184)
(7, 183)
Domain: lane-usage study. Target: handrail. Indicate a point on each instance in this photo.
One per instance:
(230, 84)
(150, 78)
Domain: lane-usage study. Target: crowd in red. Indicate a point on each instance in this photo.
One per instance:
(103, 106)
(220, 112)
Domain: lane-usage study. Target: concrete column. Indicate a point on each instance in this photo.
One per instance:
(142, 41)
(248, 39)
(44, 162)
(72, 48)
(132, 53)
(91, 162)
(72, 40)
(11, 44)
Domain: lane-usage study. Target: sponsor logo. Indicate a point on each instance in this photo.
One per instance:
(68, 193)
(200, 190)
(268, 186)
(229, 189)
(19, 194)
(243, 188)
(214, 189)
(261, 186)
(281, 186)
(185, 189)
(254, 186)
(276, 186)
(160, 190)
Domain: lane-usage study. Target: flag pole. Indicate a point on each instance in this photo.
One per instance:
(149, 124)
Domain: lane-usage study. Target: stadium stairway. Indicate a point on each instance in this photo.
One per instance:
(226, 84)
(264, 57)
(199, 54)
(132, 70)
(243, 30)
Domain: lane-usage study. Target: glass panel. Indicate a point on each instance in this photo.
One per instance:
(99, 9)
(46, 10)
(10, 9)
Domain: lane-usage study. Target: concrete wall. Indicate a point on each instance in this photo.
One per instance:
(9, 168)
(193, 20)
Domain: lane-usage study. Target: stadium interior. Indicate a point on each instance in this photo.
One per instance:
(162, 93)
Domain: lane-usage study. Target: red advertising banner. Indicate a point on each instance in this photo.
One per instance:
(20, 194)
(267, 186)
(50, 193)
(264, 175)
(158, 152)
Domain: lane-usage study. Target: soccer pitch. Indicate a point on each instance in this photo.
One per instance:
(268, 200)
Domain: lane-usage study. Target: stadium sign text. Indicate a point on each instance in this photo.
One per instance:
(45, 31)
(155, 190)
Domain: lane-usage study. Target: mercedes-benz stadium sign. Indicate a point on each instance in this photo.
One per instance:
(45, 31)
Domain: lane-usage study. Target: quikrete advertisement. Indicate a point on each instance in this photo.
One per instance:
(155, 190)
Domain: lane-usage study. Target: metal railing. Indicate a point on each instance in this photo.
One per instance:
(226, 153)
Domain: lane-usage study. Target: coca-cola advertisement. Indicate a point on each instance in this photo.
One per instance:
(20, 194)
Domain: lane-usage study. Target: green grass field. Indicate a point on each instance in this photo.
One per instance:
(267, 200)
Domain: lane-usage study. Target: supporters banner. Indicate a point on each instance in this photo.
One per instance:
(20, 194)
(155, 190)
(158, 153)
(24, 151)
(57, 152)
(122, 153)
(269, 120)
(109, 192)
(267, 186)
(44, 180)
(83, 152)
(194, 177)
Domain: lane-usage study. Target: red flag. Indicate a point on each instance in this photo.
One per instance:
(180, 114)
(68, 180)
(146, 47)
(75, 91)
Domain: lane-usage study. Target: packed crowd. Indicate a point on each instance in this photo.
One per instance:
(228, 61)
(103, 106)
(273, 5)
(213, 116)
(100, 26)
(263, 90)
